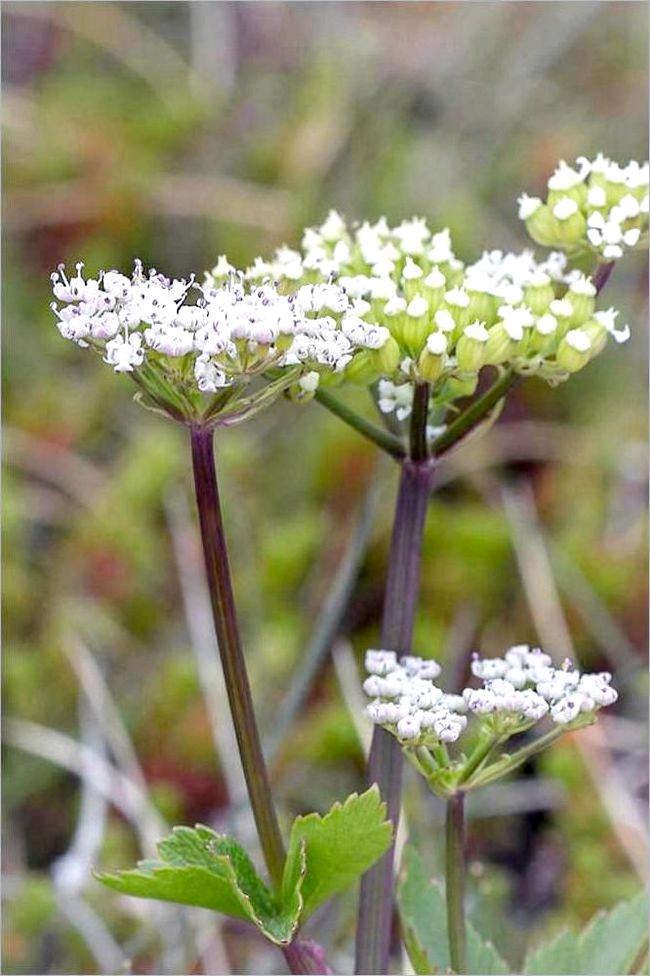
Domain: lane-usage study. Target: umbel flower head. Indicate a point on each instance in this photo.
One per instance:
(447, 320)
(516, 692)
(597, 205)
(224, 355)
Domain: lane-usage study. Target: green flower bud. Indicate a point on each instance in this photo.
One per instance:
(566, 182)
(577, 193)
(388, 357)
(434, 287)
(543, 338)
(582, 298)
(574, 351)
(363, 370)
(457, 304)
(471, 348)
(417, 324)
(411, 279)
(393, 316)
(500, 346)
(539, 294)
(542, 227)
(598, 336)
(433, 357)
(571, 226)
(562, 309)
(482, 307)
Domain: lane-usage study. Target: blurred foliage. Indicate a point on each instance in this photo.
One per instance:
(175, 132)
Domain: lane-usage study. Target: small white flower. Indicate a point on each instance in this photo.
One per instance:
(412, 271)
(124, 353)
(395, 397)
(437, 343)
(565, 207)
(408, 728)
(528, 206)
(477, 331)
(417, 307)
(565, 178)
(380, 662)
(435, 279)
(578, 340)
(444, 320)
(457, 297)
(596, 196)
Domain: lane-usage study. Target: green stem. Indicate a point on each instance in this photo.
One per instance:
(382, 438)
(469, 419)
(509, 764)
(482, 750)
(455, 878)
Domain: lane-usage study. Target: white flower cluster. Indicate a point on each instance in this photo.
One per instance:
(597, 203)
(522, 686)
(448, 320)
(525, 676)
(235, 329)
(406, 700)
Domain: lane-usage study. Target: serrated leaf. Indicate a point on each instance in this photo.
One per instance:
(424, 924)
(609, 943)
(339, 847)
(207, 870)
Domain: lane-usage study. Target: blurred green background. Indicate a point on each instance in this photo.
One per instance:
(175, 132)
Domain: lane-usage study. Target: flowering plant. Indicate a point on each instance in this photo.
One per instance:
(395, 310)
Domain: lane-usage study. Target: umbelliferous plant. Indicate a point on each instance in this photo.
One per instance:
(438, 343)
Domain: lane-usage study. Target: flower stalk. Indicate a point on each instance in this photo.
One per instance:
(455, 881)
(385, 760)
(301, 956)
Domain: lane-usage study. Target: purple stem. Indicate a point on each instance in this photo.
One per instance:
(601, 277)
(305, 956)
(385, 761)
(301, 957)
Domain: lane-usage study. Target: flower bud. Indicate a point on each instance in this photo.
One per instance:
(542, 226)
(482, 307)
(411, 277)
(433, 357)
(562, 310)
(434, 287)
(393, 316)
(457, 303)
(471, 348)
(597, 335)
(582, 298)
(539, 293)
(417, 324)
(543, 337)
(304, 390)
(571, 226)
(387, 358)
(500, 345)
(566, 182)
(363, 370)
(574, 351)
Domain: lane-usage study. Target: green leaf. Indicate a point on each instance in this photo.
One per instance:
(339, 847)
(424, 924)
(207, 870)
(610, 943)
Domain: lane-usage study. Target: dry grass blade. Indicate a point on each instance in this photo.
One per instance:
(545, 607)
